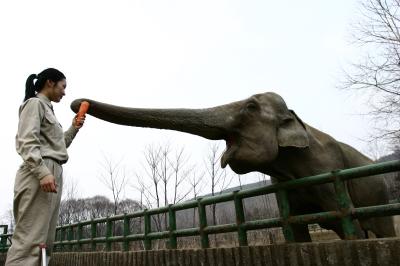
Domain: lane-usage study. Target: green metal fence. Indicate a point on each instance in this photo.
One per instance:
(4, 237)
(69, 236)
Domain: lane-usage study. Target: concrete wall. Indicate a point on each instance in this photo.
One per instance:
(360, 252)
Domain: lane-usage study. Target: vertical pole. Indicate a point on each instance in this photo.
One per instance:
(344, 203)
(126, 232)
(205, 243)
(147, 230)
(240, 219)
(3, 241)
(59, 235)
(70, 236)
(93, 233)
(172, 227)
(42, 247)
(108, 233)
(62, 237)
(79, 236)
(284, 209)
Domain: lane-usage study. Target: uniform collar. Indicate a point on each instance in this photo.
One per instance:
(45, 99)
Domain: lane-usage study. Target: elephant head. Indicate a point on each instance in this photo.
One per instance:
(253, 128)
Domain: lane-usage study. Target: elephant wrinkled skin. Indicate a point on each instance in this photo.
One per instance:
(263, 135)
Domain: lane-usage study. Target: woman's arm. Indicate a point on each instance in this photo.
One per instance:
(70, 134)
(27, 139)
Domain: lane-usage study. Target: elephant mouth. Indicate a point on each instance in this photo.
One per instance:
(231, 148)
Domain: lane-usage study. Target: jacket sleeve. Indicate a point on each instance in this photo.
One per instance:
(69, 135)
(27, 139)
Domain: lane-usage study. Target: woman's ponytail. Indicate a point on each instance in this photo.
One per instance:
(30, 90)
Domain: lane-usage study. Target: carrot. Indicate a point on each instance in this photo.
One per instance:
(82, 110)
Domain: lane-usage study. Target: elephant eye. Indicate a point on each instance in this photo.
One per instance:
(252, 106)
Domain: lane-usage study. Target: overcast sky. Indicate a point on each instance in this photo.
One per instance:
(174, 54)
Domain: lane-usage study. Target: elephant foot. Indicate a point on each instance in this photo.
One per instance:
(301, 233)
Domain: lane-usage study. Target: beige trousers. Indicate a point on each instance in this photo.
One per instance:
(36, 214)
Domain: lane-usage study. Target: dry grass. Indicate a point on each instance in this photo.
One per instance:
(256, 237)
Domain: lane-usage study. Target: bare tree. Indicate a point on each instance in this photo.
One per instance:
(392, 179)
(165, 170)
(225, 180)
(70, 188)
(212, 166)
(145, 198)
(268, 200)
(196, 185)
(98, 206)
(216, 174)
(379, 73)
(160, 181)
(114, 178)
(196, 182)
(152, 155)
(140, 186)
(68, 205)
(180, 173)
(375, 150)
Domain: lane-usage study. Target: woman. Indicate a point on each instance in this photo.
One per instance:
(42, 144)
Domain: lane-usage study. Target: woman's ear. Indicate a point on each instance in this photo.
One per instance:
(292, 132)
(50, 83)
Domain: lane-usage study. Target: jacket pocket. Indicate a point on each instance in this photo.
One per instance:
(50, 118)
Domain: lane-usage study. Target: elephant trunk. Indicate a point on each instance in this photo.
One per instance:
(210, 123)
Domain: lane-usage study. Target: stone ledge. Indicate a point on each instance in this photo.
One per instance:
(344, 253)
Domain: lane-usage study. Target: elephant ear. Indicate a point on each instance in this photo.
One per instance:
(292, 132)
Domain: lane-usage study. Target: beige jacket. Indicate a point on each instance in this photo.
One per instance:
(40, 135)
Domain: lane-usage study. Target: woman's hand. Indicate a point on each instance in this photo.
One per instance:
(78, 122)
(48, 184)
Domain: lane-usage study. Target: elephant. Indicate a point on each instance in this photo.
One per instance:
(263, 135)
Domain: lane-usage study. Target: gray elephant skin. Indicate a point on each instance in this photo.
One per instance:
(263, 135)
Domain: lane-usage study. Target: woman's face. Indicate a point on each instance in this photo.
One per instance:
(58, 90)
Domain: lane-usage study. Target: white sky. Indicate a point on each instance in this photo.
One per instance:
(173, 54)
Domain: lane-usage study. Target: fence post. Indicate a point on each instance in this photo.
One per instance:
(205, 243)
(172, 227)
(62, 237)
(284, 209)
(108, 233)
(240, 219)
(344, 203)
(93, 233)
(3, 242)
(147, 230)
(126, 232)
(80, 236)
(70, 236)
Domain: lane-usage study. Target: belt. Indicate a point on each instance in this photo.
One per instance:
(55, 160)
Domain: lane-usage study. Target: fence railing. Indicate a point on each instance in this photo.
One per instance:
(71, 235)
(4, 238)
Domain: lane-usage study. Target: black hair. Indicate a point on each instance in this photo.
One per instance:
(31, 87)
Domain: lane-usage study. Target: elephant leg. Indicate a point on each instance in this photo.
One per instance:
(334, 226)
(301, 233)
(338, 229)
(328, 202)
(381, 226)
(366, 234)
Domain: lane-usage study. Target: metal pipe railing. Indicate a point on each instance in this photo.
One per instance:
(345, 214)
